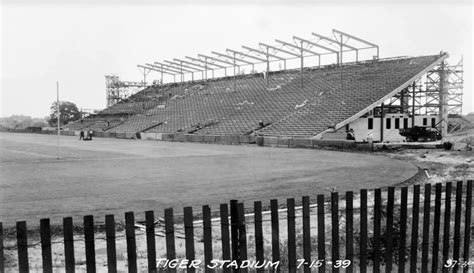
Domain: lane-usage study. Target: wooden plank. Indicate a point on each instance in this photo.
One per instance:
(290, 203)
(207, 234)
(225, 236)
(131, 242)
(436, 228)
(306, 234)
(426, 229)
(275, 231)
(169, 231)
(189, 235)
(259, 247)
(414, 228)
(150, 240)
(321, 231)
(447, 224)
(389, 234)
(377, 228)
(457, 225)
(403, 229)
(335, 230)
(111, 247)
(2, 261)
(467, 225)
(242, 234)
(363, 231)
(350, 230)
(234, 230)
(89, 242)
(22, 244)
(69, 259)
(45, 231)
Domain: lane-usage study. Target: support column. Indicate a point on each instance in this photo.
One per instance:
(268, 69)
(302, 63)
(413, 105)
(381, 122)
(443, 98)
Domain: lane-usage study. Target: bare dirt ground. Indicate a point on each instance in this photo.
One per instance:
(111, 176)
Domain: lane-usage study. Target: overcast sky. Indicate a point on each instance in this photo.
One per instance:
(78, 43)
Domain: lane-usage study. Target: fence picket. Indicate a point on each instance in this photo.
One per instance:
(45, 231)
(467, 224)
(363, 230)
(457, 225)
(350, 230)
(150, 240)
(403, 229)
(275, 231)
(169, 230)
(414, 228)
(90, 244)
(2, 263)
(335, 230)
(225, 239)
(426, 229)
(22, 244)
(189, 236)
(447, 224)
(377, 228)
(68, 245)
(111, 247)
(207, 234)
(291, 246)
(131, 242)
(306, 234)
(234, 231)
(436, 227)
(389, 240)
(321, 231)
(242, 234)
(259, 251)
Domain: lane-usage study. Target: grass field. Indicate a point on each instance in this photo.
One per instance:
(106, 176)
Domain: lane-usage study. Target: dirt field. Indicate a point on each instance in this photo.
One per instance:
(107, 176)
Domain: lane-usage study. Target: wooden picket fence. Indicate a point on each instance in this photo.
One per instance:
(443, 247)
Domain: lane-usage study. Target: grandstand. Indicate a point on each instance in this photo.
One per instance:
(300, 103)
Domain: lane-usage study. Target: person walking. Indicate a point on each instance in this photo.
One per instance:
(81, 135)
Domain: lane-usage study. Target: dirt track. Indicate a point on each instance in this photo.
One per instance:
(113, 176)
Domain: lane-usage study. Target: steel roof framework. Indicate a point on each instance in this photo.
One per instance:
(300, 48)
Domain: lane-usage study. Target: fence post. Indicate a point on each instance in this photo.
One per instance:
(111, 248)
(45, 231)
(275, 232)
(131, 242)
(169, 230)
(89, 242)
(22, 244)
(389, 244)
(290, 203)
(457, 225)
(436, 226)
(350, 230)
(335, 230)
(414, 228)
(207, 232)
(403, 230)
(467, 224)
(224, 214)
(242, 235)
(447, 224)
(363, 231)
(306, 234)
(189, 235)
(259, 250)
(426, 229)
(68, 245)
(2, 263)
(377, 228)
(321, 232)
(150, 240)
(234, 229)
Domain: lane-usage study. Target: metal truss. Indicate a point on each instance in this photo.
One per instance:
(117, 90)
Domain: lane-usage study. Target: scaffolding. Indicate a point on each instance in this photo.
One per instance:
(117, 90)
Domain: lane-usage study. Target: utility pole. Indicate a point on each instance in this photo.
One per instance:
(57, 111)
